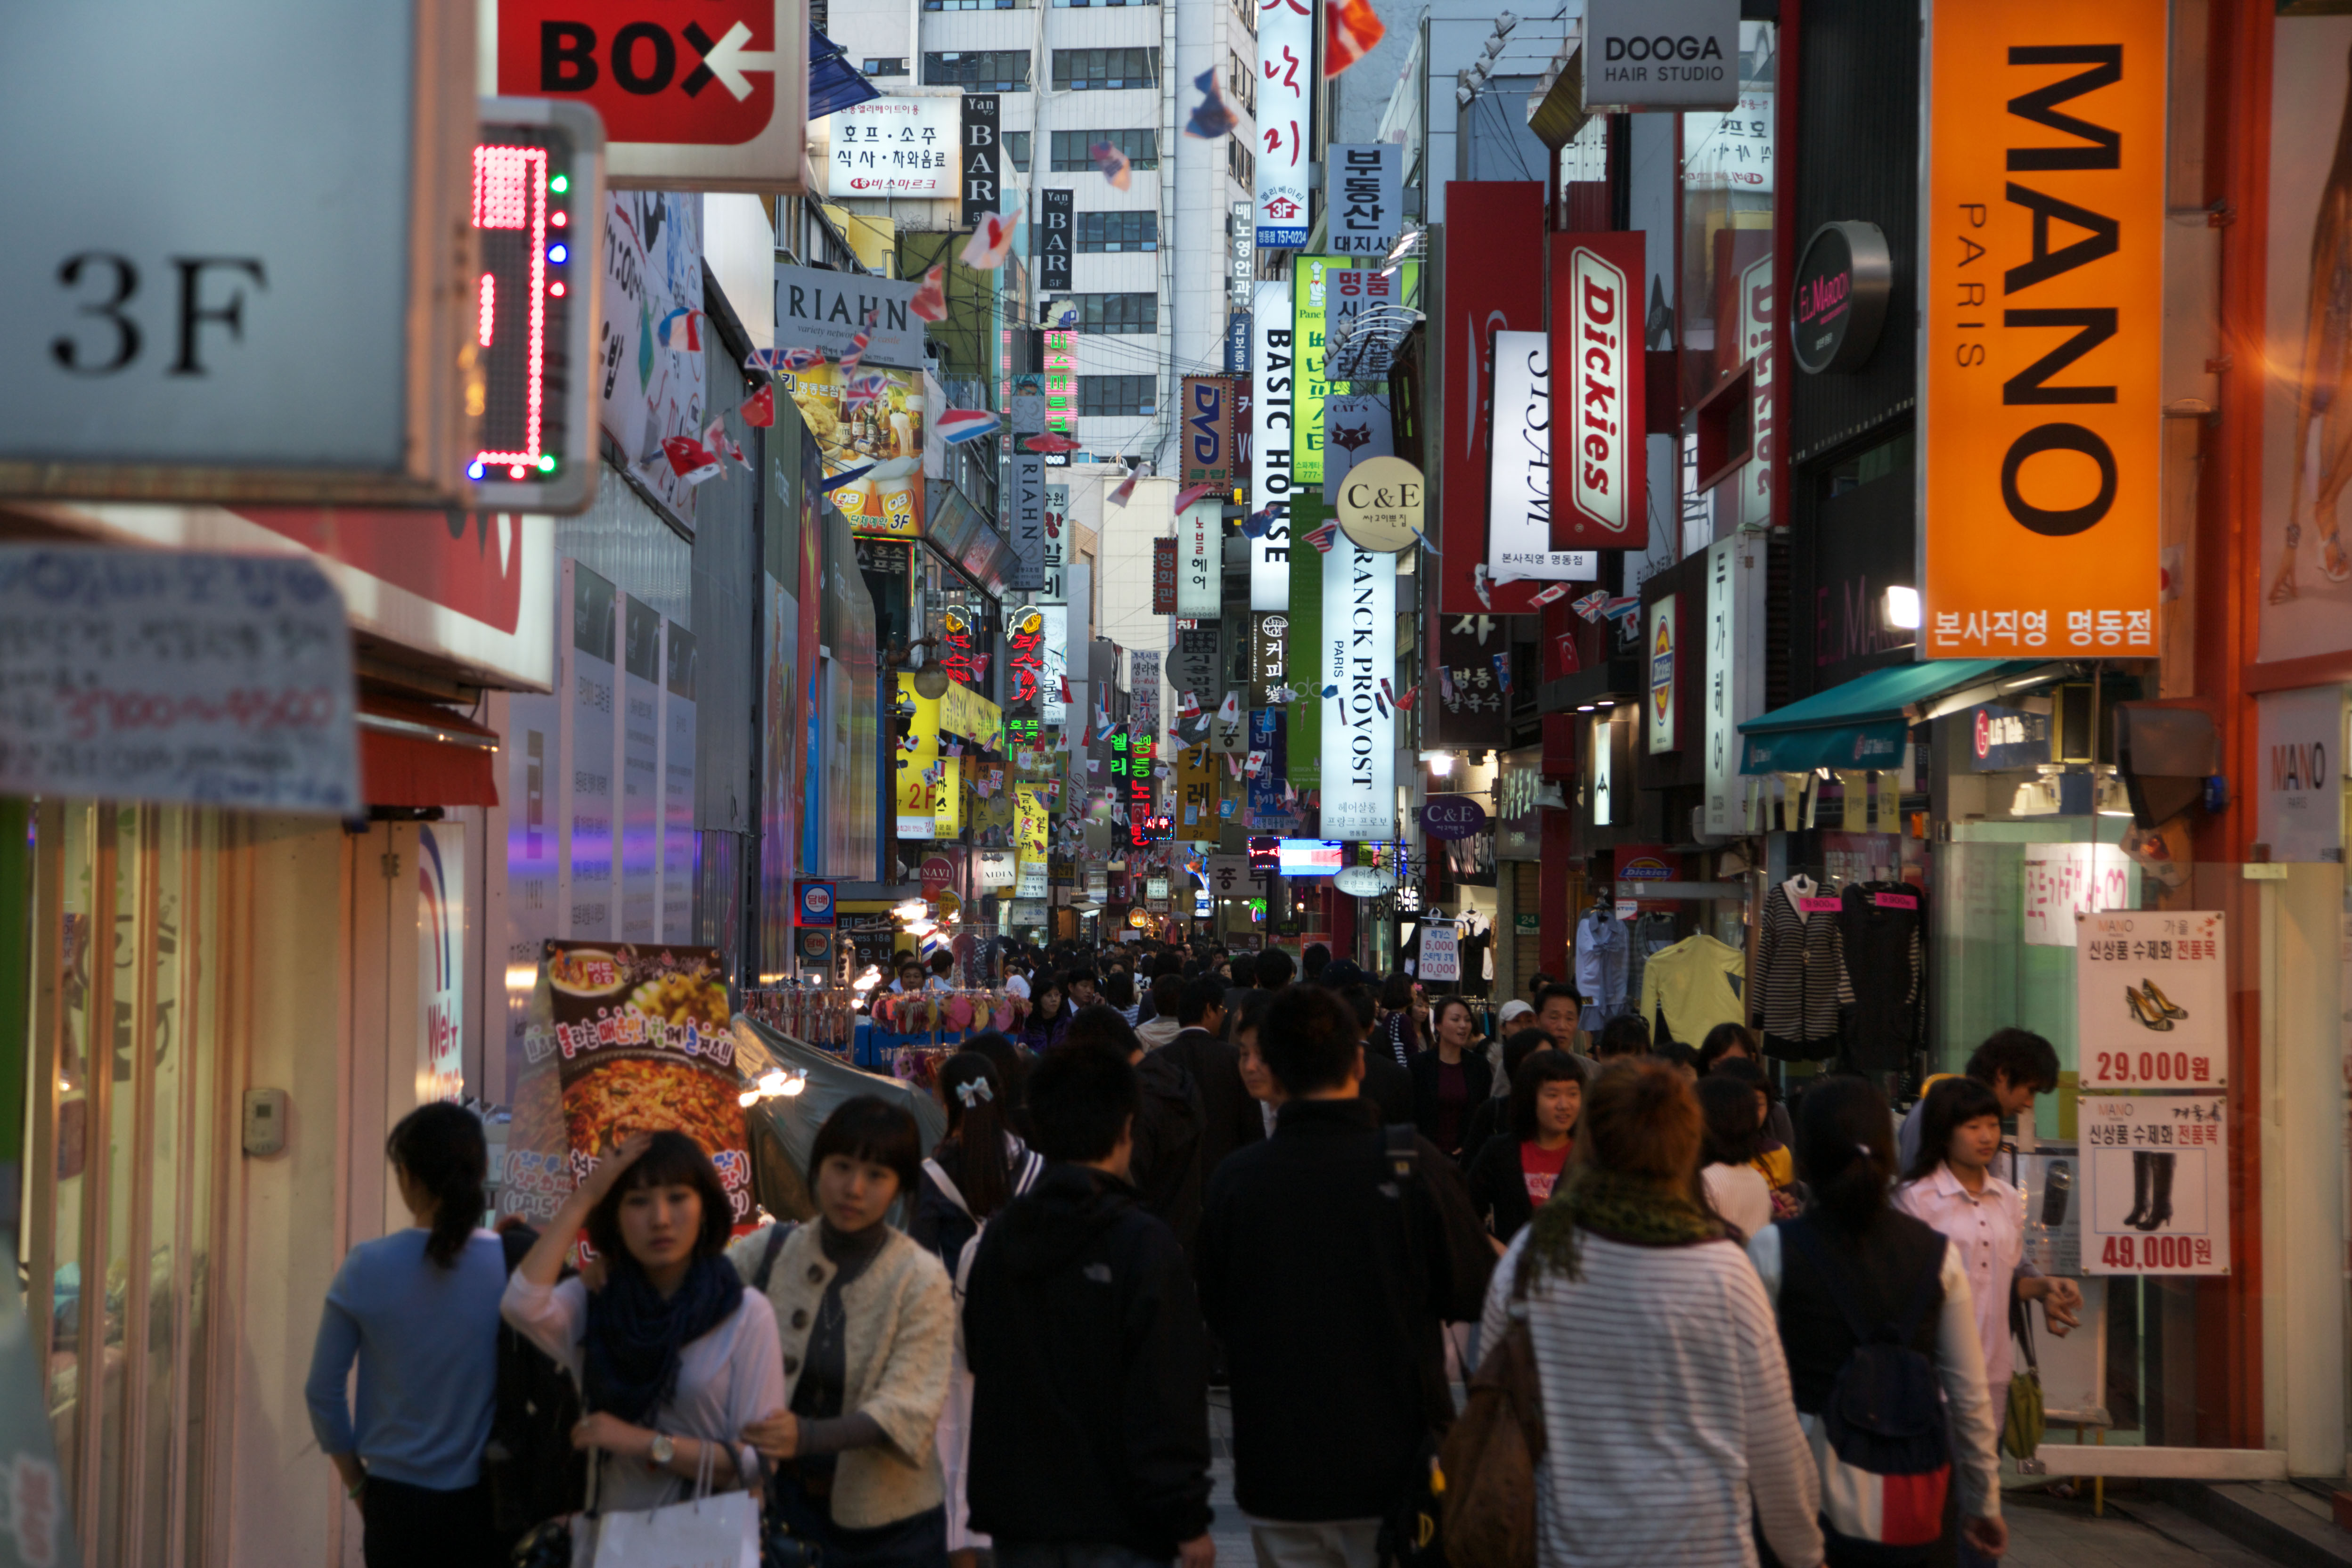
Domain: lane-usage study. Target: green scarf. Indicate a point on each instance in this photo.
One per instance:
(1620, 1207)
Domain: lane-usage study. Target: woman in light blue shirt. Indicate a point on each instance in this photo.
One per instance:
(419, 1311)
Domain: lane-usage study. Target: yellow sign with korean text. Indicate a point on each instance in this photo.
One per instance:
(965, 712)
(2041, 285)
(914, 786)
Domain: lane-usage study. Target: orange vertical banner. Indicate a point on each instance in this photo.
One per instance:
(2042, 292)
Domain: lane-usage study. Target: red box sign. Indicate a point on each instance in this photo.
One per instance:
(1600, 480)
(1493, 282)
(714, 96)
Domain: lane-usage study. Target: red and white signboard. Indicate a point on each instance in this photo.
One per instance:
(1598, 470)
(1494, 284)
(711, 97)
(2151, 1007)
(2155, 1183)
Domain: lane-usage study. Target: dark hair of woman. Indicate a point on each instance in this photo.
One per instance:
(1251, 1014)
(874, 1131)
(1732, 1135)
(1641, 1120)
(1723, 1039)
(1526, 1084)
(1118, 989)
(1949, 1104)
(1845, 1151)
(1739, 1070)
(671, 1160)
(1396, 990)
(1437, 1011)
(977, 1107)
(1012, 1068)
(442, 1148)
(1521, 1045)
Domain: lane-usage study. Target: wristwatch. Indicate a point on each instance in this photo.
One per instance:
(663, 1450)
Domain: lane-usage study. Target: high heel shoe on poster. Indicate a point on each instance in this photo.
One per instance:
(2163, 1004)
(2149, 1015)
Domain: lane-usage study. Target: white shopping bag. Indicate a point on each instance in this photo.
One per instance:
(708, 1532)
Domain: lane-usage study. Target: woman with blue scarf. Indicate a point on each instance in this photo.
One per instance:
(674, 1356)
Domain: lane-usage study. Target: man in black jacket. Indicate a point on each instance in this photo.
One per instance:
(1167, 1170)
(1328, 1277)
(1231, 1117)
(1090, 1404)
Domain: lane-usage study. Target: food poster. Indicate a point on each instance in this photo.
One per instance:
(639, 1038)
(870, 417)
(2155, 1180)
(2150, 1000)
(914, 786)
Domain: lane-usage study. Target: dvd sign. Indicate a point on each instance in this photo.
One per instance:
(1661, 54)
(1598, 470)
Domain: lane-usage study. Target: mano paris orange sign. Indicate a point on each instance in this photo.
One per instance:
(2042, 269)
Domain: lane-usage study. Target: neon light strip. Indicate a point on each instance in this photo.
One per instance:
(510, 192)
(489, 307)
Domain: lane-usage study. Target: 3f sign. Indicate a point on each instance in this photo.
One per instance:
(209, 291)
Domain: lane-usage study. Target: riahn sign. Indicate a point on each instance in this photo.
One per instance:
(2043, 294)
(1598, 470)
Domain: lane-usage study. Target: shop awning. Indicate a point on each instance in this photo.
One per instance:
(1863, 723)
(415, 753)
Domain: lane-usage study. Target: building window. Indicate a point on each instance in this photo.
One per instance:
(1079, 70)
(1074, 154)
(884, 67)
(1016, 147)
(985, 70)
(1082, 3)
(1108, 233)
(1112, 395)
(1242, 83)
(1241, 163)
(1105, 312)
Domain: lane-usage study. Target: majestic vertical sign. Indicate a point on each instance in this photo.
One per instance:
(1367, 203)
(1520, 479)
(1735, 672)
(1494, 280)
(2043, 294)
(1359, 644)
(983, 158)
(1285, 117)
(1272, 385)
(1597, 464)
(1054, 237)
(1207, 433)
(1201, 559)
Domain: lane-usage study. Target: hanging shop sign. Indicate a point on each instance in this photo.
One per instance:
(1733, 693)
(1163, 576)
(816, 904)
(1599, 471)
(181, 331)
(1032, 822)
(161, 676)
(718, 102)
(1201, 559)
(1364, 881)
(1368, 199)
(1284, 111)
(1311, 279)
(1371, 292)
(1496, 282)
(1359, 643)
(966, 713)
(1231, 877)
(1357, 428)
(1519, 471)
(1207, 433)
(817, 307)
(1661, 54)
(1441, 953)
(1025, 652)
(1269, 654)
(1998, 739)
(1381, 505)
(1272, 386)
(1838, 300)
(2151, 1000)
(983, 158)
(2040, 385)
(1056, 232)
(1453, 816)
(1026, 512)
(916, 782)
(1665, 708)
(2299, 759)
(994, 869)
(2156, 1182)
(895, 147)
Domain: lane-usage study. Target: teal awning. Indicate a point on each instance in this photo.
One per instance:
(1862, 723)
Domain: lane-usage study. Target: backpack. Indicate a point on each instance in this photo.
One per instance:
(534, 1472)
(1032, 1165)
(1880, 1441)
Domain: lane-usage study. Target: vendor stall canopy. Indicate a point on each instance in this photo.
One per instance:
(1864, 723)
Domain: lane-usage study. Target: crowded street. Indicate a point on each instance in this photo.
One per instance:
(1149, 784)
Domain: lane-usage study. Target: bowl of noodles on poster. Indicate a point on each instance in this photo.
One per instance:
(642, 1043)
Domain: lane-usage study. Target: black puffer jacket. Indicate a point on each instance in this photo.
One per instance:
(1168, 1142)
(1090, 1398)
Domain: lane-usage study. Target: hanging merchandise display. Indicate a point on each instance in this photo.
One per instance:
(1882, 929)
(1690, 987)
(1602, 947)
(1801, 977)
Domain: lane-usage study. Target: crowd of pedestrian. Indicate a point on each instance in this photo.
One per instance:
(1334, 1199)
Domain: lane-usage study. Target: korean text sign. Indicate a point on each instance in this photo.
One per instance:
(2043, 288)
(2150, 1000)
(2155, 1186)
(1285, 114)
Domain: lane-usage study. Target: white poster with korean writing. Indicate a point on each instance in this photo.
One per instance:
(895, 147)
(2150, 999)
(2062, 881)
(1518, 496)
(1286, 112)
(1368, 205)
(2156, 1174)
(1201, 559)
(1441, 954)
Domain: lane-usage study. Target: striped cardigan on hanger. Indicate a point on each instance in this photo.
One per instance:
(1799, 981)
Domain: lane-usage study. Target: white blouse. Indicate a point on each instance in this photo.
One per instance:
(729, 1378)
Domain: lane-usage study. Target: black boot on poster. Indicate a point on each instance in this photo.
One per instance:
(2159, 1213)
(2141, 1178)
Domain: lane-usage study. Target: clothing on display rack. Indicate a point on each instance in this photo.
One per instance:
(1691, 987)
(1645, 935)
(1603, 944)
(1882, 928)
(1801, 976)
(1473, 947)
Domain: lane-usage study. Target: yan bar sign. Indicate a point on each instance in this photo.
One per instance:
(2042, 289)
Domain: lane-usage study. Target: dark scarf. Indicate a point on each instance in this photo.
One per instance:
(1616, 1207)
(635, 1337)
